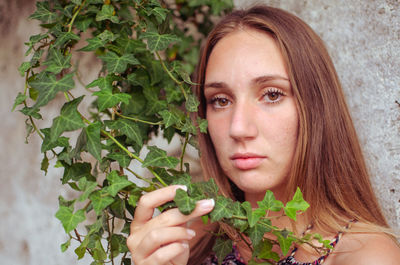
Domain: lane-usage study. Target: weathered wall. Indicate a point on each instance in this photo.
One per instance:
(363, 38)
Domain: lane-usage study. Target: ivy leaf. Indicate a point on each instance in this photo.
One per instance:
(295, 205)
(69, 119)
(107, 12)
(106, 99)
(192, 103)
(118, 64)
(239, 223)
(69, 219)
(154, 105)
(43, 13)
(83, 24)
(158, 158)
(24, 67)
(253, 216)
(48, 145)
(185, 204)
(65, 37)
(203, 124)
(45, 164)
(284, 240)
(222, 209)
(93, 143)
(158, 42)
(209, 188)
(94, 44)
(123, 159)
(87, 187)
(256, 233)
(104, 83)
(76, 171)
(264, 251)
(117, 182)
(129, 45)
(169, 118)
(222, 248)
(270, 203)
(98, 252)
(160, 13)
(57, 61)
(18, 100)
(128, 128)
(100, 200)
(65, 245)
(48, 86)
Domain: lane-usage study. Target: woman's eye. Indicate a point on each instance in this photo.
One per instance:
(273, 96)
(220, 102)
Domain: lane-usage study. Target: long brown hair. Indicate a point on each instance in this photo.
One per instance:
(328, 165)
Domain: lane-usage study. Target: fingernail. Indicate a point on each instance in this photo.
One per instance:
(182, 187)
(191, 233)
(206, 205)
(185, 245)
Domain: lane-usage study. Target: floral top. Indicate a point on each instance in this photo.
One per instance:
(234, 257)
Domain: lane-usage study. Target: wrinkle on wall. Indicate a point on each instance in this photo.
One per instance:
(363, 39)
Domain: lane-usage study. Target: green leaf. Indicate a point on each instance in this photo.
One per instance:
(104, 83)
(77, 171)
(93, 139)
(118, 64)
(158, 42)
(48, 86)
(129, 45)
(81, 250)
(100, 200)
(270, 203)
(203, 124)
(18, 100)
(239, 211)
(87, 187)
(106, 99)
(209, 188)
(253, 216)
(57, 61)
(222, 209)
(158, 158)
(65, 37)
(256, 233)
(264, 251)
(83, 24)
(107, 12)
(222, 248)
(185, 204)
(45, 164)
(284, 240)
(117, 183)
(69, 119)
(69, 219)
(48, 145)
(169, 118)
(24, 67)
(128, 128)
(295, 205)
(122, 158)
(98, 252)
(94, 44)
(43, 13)
(154, 104)
(192, 103)
(65, 245)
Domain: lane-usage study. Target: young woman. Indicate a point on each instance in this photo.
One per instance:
(277, 120)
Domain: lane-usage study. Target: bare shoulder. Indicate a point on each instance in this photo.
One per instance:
(366, 249)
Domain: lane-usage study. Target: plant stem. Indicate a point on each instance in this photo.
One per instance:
(138, 120)
(75, 15)
(179, 83)
(184, 149)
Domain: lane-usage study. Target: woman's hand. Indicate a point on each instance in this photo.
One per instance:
(164, 238)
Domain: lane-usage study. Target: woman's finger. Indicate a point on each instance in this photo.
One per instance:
(162, 237)
(165, 254)
(174, 217)
(148, 202)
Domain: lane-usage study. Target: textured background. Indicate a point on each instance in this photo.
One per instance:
(362, 37)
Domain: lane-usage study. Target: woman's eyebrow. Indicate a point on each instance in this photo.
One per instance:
(216, 85)
(268, 78)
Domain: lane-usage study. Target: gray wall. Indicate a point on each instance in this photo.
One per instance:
(362, 37)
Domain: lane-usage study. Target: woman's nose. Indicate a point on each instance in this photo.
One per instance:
(243, 125)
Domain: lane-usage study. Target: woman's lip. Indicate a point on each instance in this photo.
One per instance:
(246, 161)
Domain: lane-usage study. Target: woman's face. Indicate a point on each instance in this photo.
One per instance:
(251, 112)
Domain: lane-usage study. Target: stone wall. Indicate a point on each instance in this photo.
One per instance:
(363, 39)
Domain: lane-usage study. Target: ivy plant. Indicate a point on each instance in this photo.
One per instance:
(147, 50)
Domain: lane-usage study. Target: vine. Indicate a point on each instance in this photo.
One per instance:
(143, 89)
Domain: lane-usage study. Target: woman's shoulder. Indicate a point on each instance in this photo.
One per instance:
(366, 249)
